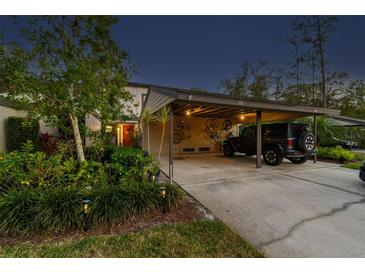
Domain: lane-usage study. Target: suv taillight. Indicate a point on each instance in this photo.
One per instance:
(290, 144)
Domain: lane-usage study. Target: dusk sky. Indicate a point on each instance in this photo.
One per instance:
(199, 51)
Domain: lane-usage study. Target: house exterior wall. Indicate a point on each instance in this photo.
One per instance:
(198, 137)
(139, 93)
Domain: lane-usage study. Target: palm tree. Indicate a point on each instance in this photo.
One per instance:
(147, 118)
(162, 117)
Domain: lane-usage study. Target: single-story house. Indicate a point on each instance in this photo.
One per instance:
(199, 120)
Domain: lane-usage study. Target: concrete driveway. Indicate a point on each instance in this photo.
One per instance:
(309, 210)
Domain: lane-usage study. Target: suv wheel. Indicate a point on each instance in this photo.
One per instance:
(306, 142)
(272, 156)
(298, 160)
(228, 150)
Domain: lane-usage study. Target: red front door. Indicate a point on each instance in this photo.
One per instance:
(128, 133)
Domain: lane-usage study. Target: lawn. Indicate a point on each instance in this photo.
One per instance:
(194, 239)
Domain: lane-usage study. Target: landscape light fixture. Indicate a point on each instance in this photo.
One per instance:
(163, 192)
(86, 205)
(163, 195)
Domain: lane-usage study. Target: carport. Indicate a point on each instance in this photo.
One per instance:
(204, 105)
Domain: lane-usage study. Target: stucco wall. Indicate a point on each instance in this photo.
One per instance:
(198, 136)
(137, 92)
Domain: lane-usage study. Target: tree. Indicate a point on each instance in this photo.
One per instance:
(75, 68)
(352, 103)
(315, 30)
(162, 117)
(254, 80)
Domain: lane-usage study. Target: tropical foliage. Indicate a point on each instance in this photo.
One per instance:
(44, 193)
(335, 153)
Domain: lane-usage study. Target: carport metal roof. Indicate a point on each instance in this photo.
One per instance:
(217, 105)
(344, 121)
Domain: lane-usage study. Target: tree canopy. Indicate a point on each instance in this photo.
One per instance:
(73, 68)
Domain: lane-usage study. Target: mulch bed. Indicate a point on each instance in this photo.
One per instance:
(189, 210)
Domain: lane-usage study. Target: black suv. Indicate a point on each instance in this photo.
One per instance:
(282, 140)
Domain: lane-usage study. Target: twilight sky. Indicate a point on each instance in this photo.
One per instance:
(199, 51)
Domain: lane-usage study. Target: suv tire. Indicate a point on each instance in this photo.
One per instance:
(228, 150)
(306, 142)
(272, 156)
(298, 160)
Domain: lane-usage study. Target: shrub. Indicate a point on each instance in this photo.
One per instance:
(29, 170)
(48, 143)
(17, 211)
(57, 209)
(20, 130)
(110, 203)
(335, 153)
(131, 164)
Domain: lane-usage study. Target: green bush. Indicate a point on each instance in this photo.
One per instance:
(335, 153)
(29, 211)
(17, 211)
(110, 203)
(131, 164)
(58, 209)
(20, 130)
(34, 169)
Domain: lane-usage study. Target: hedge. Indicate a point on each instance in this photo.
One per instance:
(59, 209)
(18, 131)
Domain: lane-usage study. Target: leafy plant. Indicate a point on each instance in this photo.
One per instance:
(335, 153)
(129, 163)
(17, 211)
(48, 143)
(57, 209)
(110, 203)
(18, 131)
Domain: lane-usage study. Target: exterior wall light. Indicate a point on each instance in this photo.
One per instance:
(188, 112)
(242, 117)
(108, 128)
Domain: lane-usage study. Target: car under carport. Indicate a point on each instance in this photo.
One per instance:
(196, 108)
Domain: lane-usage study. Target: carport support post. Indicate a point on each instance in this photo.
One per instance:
(171, 146)
(258, 139)
(315, 137)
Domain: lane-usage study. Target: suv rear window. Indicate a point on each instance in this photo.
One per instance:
(278, 130)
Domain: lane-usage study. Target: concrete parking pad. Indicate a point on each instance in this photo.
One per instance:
(309, 210)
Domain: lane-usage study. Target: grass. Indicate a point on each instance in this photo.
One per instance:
(195, 239)
(357, 162)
